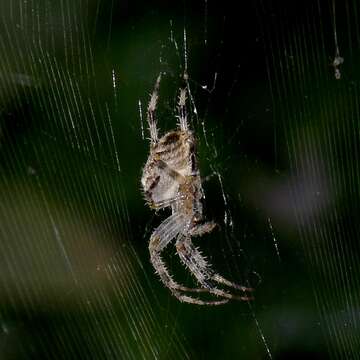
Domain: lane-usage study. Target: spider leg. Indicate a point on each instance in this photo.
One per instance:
(151, 118)
(160, 238)
(221, 280)
(182, 111)
(202, 229)
(164, 203)
(191, 300)
(199, 267)
(206, 228)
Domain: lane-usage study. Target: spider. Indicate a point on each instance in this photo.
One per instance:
(171, 178)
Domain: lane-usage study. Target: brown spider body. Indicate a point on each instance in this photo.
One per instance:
(173, 149)
(171, 178)
(174, 158)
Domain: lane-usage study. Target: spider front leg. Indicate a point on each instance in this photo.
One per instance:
(199, 267)
(183, 124)
(160, 238)
(151, 118)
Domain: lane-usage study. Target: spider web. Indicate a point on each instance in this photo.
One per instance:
(273, 100)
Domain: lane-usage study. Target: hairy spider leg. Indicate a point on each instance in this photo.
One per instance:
(161, 237)
(165, 203)
(191, 300)
(151, 116)
(183, 124)
(202, 229)
(198, 266)
(221, 280)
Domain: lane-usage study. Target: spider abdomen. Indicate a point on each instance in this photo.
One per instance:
(171, 159)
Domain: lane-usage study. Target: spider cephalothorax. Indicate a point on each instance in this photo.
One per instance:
(171, 178)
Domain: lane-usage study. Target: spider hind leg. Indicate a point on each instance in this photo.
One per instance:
(183, 124)
(160, 238)
(196, 301)
(201, 229)
(197, 264)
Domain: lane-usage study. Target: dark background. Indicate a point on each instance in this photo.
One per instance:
(278, 137)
